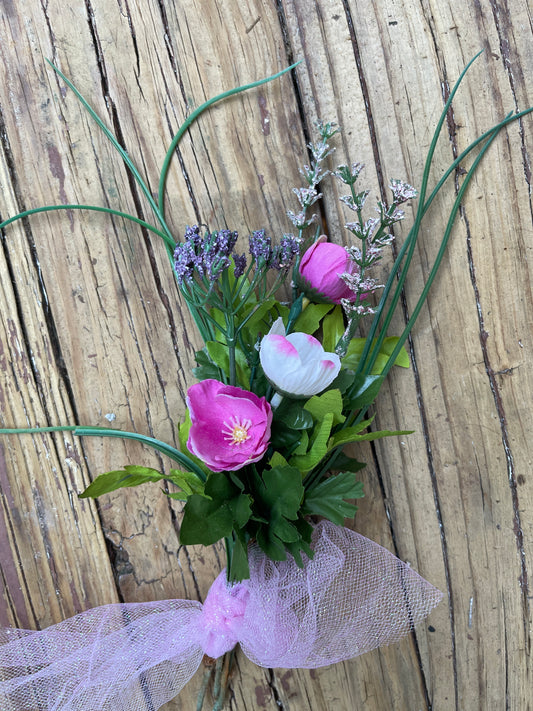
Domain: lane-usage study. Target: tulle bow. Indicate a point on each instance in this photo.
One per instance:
(351, 597)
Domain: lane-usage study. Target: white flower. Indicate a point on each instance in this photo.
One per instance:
(297, 365)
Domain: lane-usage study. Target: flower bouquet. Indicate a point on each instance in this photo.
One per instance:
(285, 380)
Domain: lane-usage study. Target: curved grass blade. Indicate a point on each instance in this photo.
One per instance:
(192, 118)
(156, 444)
(125, 157)
(95, 208)
(411, 238)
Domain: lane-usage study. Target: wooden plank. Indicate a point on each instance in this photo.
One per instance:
(91, 326)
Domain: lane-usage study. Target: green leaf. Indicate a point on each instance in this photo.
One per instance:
(357, 345)
(206, 521)
(351, 434)
(309, 320)
(343, 381)
(239, 568)
(131, 475)
(188, 482)
(283, 491)
(283, 438)
(219, 354)
(257, 316)
(235, 478)
(305, 531)
(295, 550)
(364, 391)
(271, 544)
(329, 498)
(205, 368)
(319, 446)
(303, 445)
(241, 509)
(388, 346)
(329, 402)
(277, 460)
(345, 463)
(220, 322)
(295, 311)
(284, 530)
(260, 321)
(176, 495)
(332, 329)
(294, 416)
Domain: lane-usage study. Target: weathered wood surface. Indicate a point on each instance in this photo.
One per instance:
(92, 326)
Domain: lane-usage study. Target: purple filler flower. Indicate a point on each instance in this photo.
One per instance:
(230, 426)
(206, 257)
(321, 268)
(297, 364)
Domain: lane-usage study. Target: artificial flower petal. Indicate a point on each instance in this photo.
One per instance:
(230, 427)
(320, 272)
(297, 365)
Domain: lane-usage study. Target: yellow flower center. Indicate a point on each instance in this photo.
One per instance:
(235, 431)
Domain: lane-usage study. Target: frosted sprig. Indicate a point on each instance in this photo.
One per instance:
(360, 285)
(313, 174)
(363, 230)
(300, 220)
(372, 255)
(402, 191)
(356, 310)
(389, 215)
(307, 196)
(349, 174)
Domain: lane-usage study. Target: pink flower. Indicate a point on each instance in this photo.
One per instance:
(230, 426)
(296, 364)
(320, 272)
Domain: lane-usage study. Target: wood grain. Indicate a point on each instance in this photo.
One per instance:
(92, 330)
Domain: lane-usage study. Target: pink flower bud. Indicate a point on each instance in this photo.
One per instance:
(230, 426)
(320, 272)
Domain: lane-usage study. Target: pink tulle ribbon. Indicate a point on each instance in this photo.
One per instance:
(353, 596)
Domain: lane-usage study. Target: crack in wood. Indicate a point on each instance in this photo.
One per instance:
(300, 103)
(272, 683)
(134, 42)
(502, 418)
(502, 21)
(422, 409)
(367, 99)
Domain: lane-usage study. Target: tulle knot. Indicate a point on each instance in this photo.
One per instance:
(222, 616)
(350, 597)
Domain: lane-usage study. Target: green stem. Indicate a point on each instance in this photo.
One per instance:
(95, 208)
(410, 241)
(229, 544)
(222, 686)
(125, 157)
(489, 136)
(194, 115)
(440, 254)
(78, 431)
(356, 418)
(219, 664)
(208, 673)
